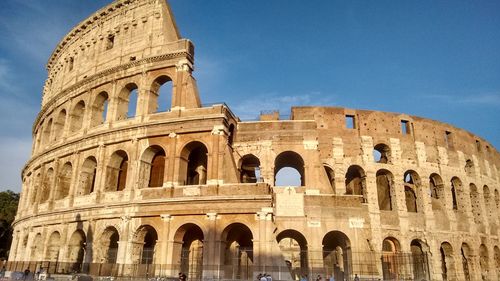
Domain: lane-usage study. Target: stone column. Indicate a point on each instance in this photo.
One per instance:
(210, 253)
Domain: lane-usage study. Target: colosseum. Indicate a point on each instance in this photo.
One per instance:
(132, 176)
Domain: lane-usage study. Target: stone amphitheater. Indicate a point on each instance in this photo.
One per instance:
(131, 175)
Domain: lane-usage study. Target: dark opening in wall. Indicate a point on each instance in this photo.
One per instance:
(448, 139)
(405, 127)
(478, 146)
(110, 41)
(350, 122)
(71, 61)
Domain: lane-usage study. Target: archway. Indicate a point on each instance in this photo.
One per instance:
(448, 271)
(99, 109)
(47, 185)
(152, 167)
(87, 176)
(116, 171)
(53, 245)
(412, 187)
(188, 247)
(293, 246)
(337, 258)
(64, 181)
(161, 94)
(384, 189)
(237, 255)
(390, 258)
(37, 248)
(77, 115)
(419, 260)
(475, 204)
(355, 182)
(382, 153)
(249, 169)
(484, 261)
(194, 163)
(466, 255)
(293, 164)
(436, 190)
(76, 250)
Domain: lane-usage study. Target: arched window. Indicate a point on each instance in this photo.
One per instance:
(456, 187)
(152, 167)
(490, 207)
(390, 262)
(355, 182)
(237, 240)
(484, 258)
(47, 184)
(469, 168)
(99, 109)
(419, 260)
(77, 115)
(289, 169)
(330, 176)
(293, 247)
(116, 171)
(249, 169)
(76, 250)
(59, 124)
(53, 247)
(87, 176)
(127, 102)
(188, 250)
(194, 167)
(161, 94)
(108, 246)
(447, 261)
(337, 254)
(385, 182)
(436, 186)
(466, 255)
(476, 203)
(46, 133)
(64, 181)
(381, 153)
(145, 243)
(412, 186)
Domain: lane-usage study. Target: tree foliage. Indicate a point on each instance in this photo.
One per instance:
(8, 208)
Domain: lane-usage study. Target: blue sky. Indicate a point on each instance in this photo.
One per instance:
(435, 59)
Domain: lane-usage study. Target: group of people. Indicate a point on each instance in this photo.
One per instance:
(264, 277)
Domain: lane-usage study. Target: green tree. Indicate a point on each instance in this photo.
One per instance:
(8, 208)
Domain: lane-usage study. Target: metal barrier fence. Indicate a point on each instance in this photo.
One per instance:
(343, 266)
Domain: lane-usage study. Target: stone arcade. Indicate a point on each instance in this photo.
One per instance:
(120, 184)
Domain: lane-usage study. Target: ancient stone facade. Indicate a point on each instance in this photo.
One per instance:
(119, 183)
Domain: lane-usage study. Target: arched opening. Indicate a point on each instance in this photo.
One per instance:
(47, 133)
(194, 160)
(466, 255)
(355, 182)
(127, 102)
(237, 255)
(161, 94)
(293, 246)
(116, 171)
(188, 245)
(419, 261)
(289, 169)
(337, 258)
(249, 169)
(484, 261)
(384, 189)
(108, 245)
(144, 246)
(448, 271)
(390, 258)
(476, 203)
(436, 187)
(34, 190)
(469, 168)
(230, 137)
(496, 252)
(53, 246)
(59, 123)
(64, 181)
(99, 109)
(490, 208)
(381, 153)
(76, 250)
(37, 247)
(330, 174)
(456, 186)
(46, 185)
(87, 176)
(412, 188)
(77, 115)
(497, 200)
(156, 166)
